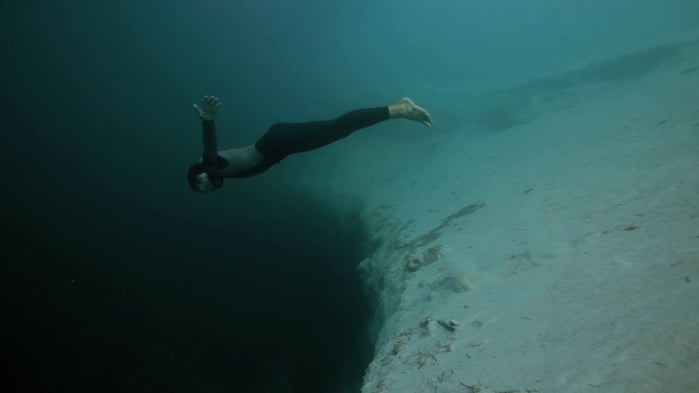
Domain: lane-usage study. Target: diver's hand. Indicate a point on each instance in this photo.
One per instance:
(208, 109)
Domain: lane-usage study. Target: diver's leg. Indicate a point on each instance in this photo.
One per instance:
(283, 139)
(406, 109)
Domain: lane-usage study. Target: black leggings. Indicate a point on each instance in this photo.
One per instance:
(283, 139)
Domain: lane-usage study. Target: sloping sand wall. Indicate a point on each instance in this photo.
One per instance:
(559, 253)
(542, 238)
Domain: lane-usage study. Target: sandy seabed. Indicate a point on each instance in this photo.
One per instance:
(557, 254)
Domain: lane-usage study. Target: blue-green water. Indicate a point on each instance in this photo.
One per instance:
(119, 278)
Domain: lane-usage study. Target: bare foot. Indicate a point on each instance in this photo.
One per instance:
(407, 109)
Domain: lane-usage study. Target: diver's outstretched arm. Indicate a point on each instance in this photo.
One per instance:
(207, 114)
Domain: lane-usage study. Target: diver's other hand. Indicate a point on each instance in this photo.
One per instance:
(208, 109)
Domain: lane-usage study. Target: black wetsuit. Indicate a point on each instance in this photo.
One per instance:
(283, 139)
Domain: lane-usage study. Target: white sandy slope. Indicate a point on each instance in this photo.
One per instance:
(564, 252)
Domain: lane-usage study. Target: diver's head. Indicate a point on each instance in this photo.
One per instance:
(200, 181)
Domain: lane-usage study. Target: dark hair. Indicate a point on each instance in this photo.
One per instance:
(192, 173)
(197, 169)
